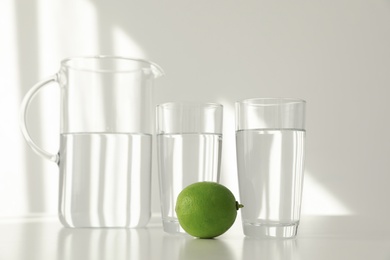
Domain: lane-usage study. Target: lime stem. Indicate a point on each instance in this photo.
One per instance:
(238, 205)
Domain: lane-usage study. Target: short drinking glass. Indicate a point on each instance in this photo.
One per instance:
(270, 139)
(189, 142)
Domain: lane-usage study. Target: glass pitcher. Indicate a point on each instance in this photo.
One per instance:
(105, 140)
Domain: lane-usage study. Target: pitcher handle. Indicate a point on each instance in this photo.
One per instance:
(23, 119)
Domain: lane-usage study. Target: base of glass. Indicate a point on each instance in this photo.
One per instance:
(173, 227)
(267, 230)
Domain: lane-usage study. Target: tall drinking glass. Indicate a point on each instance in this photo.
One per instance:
(270, 138)
(189, 142)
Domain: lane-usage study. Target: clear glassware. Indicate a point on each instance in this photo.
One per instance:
(105, 140)
(270, 139)
(189, 142)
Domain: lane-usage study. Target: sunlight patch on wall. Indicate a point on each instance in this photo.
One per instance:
(61, 37)
(11, 155)
(317, 200)
(58, 38)
(124, 45)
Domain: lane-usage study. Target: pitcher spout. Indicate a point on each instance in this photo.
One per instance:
(156, 70)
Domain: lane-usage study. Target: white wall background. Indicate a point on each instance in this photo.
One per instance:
(335, 54)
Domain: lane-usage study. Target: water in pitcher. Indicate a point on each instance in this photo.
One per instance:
(271, 165)
(188, 158)
(105, 179)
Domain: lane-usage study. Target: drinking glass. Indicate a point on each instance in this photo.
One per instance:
(189, 142)
(270, 138)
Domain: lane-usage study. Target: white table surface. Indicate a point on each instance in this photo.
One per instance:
(343, 237)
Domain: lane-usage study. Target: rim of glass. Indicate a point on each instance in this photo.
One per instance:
(158, 71)
(189, 104)
(271, 101)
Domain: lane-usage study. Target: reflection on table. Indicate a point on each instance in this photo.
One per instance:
(319, 238)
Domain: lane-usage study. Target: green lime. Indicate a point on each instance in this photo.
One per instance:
(206, 209)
